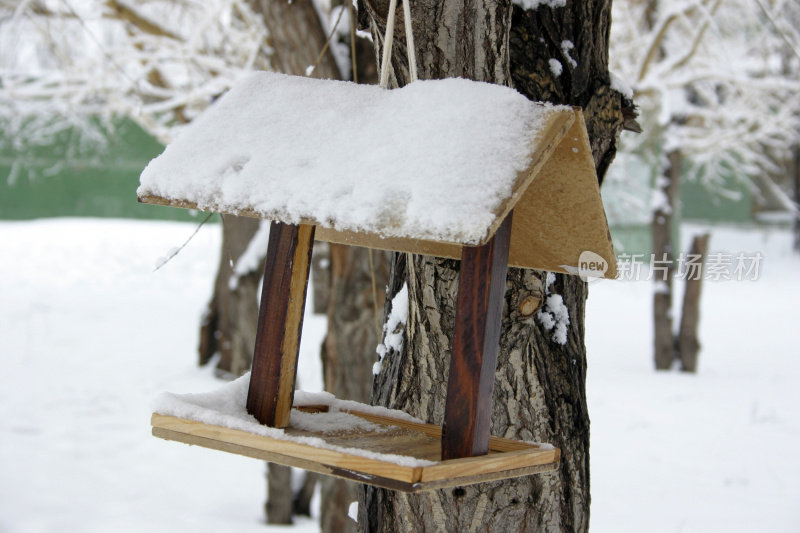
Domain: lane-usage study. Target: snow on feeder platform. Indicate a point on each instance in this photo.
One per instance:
(438, 168)
(340, 438)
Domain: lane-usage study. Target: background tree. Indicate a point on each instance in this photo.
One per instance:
(556, 51)
(162, 63)
(783, 17)
(716, 106)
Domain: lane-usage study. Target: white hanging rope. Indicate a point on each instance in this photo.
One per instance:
(412, 52)
(388, 39)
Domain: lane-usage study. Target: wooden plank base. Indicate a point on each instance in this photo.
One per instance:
(506, 458)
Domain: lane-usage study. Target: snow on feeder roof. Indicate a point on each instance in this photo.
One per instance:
(428, 168)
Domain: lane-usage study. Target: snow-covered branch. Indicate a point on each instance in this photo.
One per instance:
(159, 62)
(711, 79)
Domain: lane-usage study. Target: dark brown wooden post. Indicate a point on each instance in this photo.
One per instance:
(280, 320)
(476, 340)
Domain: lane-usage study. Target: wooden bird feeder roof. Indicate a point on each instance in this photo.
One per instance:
(437, 168)
(429, 168)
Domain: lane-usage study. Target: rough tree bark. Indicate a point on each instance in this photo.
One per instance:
(539, 384)
(662, 266)
(296, 37)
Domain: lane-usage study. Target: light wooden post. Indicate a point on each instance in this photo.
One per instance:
(476, 340)
(280, 321)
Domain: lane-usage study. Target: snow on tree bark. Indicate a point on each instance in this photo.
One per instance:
(539, 384)
(662, 267)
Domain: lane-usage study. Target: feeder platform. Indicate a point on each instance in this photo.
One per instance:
(391, 437)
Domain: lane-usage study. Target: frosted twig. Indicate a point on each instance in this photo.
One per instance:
(176, 251)
(311, 70)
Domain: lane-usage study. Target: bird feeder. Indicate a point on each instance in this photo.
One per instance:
(438, 168)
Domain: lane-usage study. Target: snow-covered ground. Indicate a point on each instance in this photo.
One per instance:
(709, 452)
(89, 335)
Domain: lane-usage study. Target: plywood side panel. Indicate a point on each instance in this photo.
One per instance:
(561, 213)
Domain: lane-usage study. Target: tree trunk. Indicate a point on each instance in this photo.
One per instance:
(296, 37)
(321, 277)
(229, 324)
(688, 343)
(280, 502)
(355, 311)
(539, 389)
(662, 264)
(302, 499)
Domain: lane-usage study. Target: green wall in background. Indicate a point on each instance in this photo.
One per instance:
(96, 183)
(698, 202)
(52, 181)
(627, 194)
(632, 240)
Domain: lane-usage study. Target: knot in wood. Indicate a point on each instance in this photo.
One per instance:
(529, 305)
